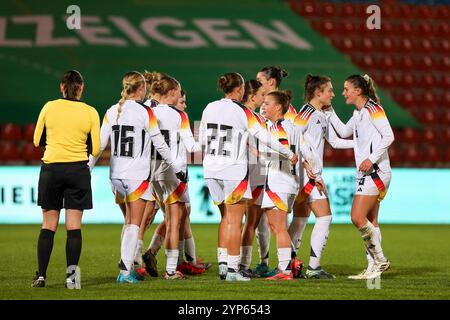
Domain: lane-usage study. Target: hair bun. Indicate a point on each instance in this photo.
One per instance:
(283, 73)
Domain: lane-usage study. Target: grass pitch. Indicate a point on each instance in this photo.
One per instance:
(419, 254)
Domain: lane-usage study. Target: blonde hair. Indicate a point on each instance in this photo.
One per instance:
(131, 82)
(164, 84)
(150, 78)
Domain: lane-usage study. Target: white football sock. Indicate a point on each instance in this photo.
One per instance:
(233, 262)
(319, 239)
(284, 259)
(372, 242)
(296, 230)
(246, 256)
(128, 247)
(156, 243)
(263, 237)
(138, 252)
(171, 260)
(189, 250)
(370, 261)
(222, 255)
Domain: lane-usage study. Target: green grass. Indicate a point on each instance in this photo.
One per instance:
(419, 255)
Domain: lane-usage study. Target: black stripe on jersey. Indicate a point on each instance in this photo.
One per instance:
(240, 104)
(143, 141)
(307, 110)
(141, 103)
(372, 105)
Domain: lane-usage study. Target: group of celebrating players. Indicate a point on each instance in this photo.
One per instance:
(261, 165)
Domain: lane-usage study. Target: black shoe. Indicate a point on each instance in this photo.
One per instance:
(150, 263)
(38, 282)
(246, 272)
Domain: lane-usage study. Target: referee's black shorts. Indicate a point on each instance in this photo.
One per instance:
(65, 185)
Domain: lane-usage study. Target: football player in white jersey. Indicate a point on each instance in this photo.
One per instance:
(131, 126)
(224, 130)
(186, 241)
(282, 182)
(253, 98)
(315, 126)
(372, 135)
(270, 77)
(174, 125)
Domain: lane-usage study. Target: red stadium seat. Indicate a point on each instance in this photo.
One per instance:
(410, 135)
(412, 153)
(395, 155)
(10, 132)
(445, 119)
(31, 154)
(28, 132)
(445, 81)
(9, 152)
(432, 154)
(430, 117)
(443, 30)
(430, 136)
(309, 9)
(443, 12)
(328, 10)
(446, 99)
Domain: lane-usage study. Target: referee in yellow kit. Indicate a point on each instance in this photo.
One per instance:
(69, 130)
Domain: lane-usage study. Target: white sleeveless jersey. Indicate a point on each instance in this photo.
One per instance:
(175, 127)
(315, 128)
(224, 132)
(372, 135)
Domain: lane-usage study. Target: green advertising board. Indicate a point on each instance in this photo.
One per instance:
(195, 41)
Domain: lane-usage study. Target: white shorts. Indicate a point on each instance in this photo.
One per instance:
(376, 183)
(309, 193)
(131, 190)
(228, 191)
(280, 200)
(171, 191)
(257, 196)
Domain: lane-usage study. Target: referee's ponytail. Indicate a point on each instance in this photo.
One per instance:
(71, 84)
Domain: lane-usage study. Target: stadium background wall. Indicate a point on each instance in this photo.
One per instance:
(415, 196)
(195, 43)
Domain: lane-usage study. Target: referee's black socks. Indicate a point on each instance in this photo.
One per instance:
(45, 247)
(73, 250)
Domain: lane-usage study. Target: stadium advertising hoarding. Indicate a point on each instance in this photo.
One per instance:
(404, 203)
(195, 43)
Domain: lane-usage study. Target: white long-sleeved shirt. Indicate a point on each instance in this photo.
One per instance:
(282, 176)
(372, 135)
(130, 138)
(224, 131)
(175, 127)
(316, 128)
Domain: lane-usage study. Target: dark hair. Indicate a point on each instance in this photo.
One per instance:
(72, 81)
(164, 84)
(366, 84)
(282, 97)
(312, 83)
(229, 81)
(251, 87)
(276, 73)
(183, 92)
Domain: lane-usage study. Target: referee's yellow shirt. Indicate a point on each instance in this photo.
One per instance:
(69, 130)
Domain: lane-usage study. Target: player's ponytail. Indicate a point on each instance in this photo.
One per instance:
(71, 82)
(164, 84)
(276, 73)
(312, 83)
(230, 81)
(282, 98)
(131, 82)
(366, 84)
(150, 78)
